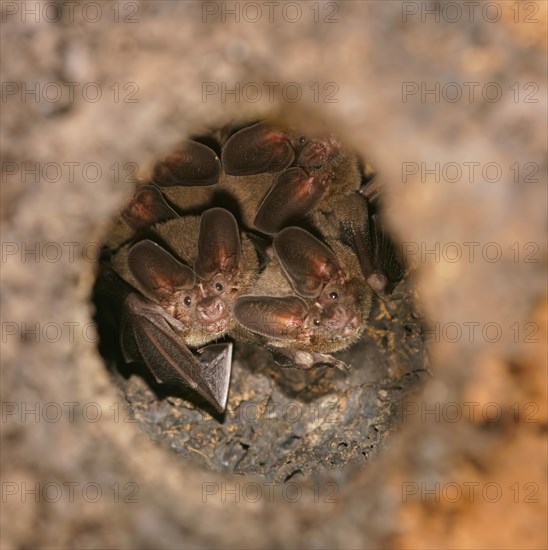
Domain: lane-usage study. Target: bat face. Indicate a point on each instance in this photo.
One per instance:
(316, 274)
(194, 268)
(198, 307)
(294, 322)
(315, 300)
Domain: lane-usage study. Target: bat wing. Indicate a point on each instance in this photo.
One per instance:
(148, 335)
(362, 230)
(386, 259)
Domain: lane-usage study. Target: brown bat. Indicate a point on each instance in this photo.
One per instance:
(310, 301)
(271, 177)
(279, 176)
(186, 275)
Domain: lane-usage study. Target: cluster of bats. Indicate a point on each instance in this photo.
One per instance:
(257, 233)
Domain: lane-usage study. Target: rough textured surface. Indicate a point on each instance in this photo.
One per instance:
(168, 53)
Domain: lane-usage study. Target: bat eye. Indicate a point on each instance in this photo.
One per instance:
(187, 301)
(333, 295)
(316, 322)
(219, 287)
(302, 139)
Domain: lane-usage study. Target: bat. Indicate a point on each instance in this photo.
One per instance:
(194, 279)
(310, 301)
(311, 170)
(185, 276)
(279, 176)
(271, 177)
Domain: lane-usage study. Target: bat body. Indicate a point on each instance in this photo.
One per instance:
(310, 301)
(186, 274)
(270, 177)
(354, 221)
(193, 275)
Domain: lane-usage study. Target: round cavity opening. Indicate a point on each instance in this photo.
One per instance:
(252, 307)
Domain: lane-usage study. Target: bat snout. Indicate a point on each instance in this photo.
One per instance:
(211, 309)
(341, 319)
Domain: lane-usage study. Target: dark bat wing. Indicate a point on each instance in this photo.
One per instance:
(147, 335)
(386, 258)
(372, 190)
(362, 230)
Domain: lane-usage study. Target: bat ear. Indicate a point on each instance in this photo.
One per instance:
(219, 245)
(307, 262)
(191, 164)
(147, 207)
(293, 195)
(257, 149)
(273, 317)
(157, 270)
